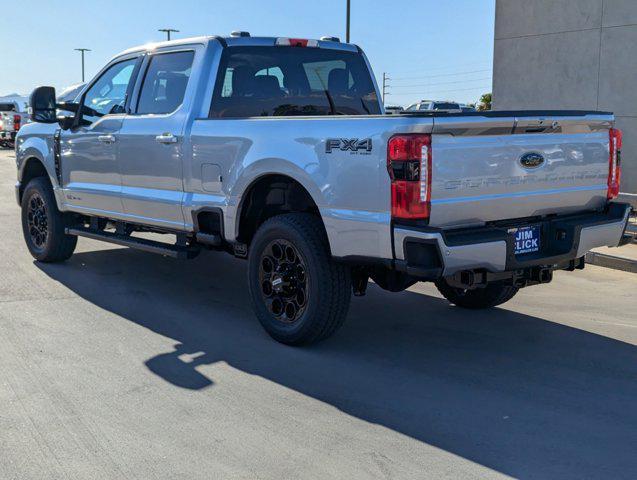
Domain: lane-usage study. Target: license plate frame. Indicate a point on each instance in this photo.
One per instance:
(526, 239)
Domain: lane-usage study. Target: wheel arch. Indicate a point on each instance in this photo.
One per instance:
(32, 167)
(268, 195)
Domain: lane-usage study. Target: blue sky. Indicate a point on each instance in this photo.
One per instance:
(439, 49)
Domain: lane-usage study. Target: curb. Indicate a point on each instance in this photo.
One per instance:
(610, 261)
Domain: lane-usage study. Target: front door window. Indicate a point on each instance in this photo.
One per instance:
(108, 94)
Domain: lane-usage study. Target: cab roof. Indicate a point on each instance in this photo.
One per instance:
(232, 41)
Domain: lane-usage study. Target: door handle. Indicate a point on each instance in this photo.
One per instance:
(166, 138)
(106, 138)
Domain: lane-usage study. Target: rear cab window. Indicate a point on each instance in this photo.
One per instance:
(292, 81)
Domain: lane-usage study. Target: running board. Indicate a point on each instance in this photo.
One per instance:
(175, 251)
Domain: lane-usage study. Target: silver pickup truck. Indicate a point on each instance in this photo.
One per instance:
(277, 150)
(11, 119)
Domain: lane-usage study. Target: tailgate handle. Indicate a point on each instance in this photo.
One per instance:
(166, 138)
(539, 125)
(106, 138)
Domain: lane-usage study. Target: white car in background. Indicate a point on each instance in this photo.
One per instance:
(434, 106)
(393, 110)
(71, 93)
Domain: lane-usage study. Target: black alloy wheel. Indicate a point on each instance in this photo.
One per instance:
(284, 283)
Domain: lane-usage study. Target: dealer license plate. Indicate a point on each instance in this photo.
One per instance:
(527, 239)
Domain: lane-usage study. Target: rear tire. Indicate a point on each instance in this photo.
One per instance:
(43, 224)
(490, 296)
(299, 293)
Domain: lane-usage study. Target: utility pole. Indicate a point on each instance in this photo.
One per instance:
(347, 23)
(385, 86)
(82, 50)
(168, 31)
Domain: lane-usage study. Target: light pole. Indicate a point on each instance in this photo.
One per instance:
(347, 23)
(82, 50)
(168, 31)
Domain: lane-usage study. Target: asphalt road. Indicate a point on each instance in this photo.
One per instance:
(122, 364)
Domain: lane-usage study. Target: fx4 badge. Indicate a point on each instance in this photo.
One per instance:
(354, 145)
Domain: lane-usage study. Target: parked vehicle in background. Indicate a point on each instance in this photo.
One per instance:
(393, 109)
(467, 108)
(69, 94)
(11, 120)
(275, 150)
(434, 106)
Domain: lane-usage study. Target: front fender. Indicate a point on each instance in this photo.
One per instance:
(34, 143)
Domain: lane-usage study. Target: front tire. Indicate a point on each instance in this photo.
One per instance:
(299, 293)
(493, 294)
(43, 224)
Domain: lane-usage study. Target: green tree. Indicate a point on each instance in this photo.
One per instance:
(485, 102)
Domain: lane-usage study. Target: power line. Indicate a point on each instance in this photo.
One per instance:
(420, 92)
(443, 75)
(455, 66)
(443, 83)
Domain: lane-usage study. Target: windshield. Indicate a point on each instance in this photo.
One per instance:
(277, 81)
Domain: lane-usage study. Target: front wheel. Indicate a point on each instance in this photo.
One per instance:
(300, 295)
(493, 294)
(43, 224)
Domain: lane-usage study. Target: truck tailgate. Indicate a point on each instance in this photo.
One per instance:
(498, 168)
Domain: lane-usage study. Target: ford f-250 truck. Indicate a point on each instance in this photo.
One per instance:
(277, 150)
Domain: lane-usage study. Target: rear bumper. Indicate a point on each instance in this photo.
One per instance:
(431, 253)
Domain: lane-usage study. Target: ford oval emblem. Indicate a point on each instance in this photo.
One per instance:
(532, 160)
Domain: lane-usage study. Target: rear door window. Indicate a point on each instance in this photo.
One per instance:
(165, 83)
(289, 81)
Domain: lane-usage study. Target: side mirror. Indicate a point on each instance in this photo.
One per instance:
(43, 105)
(65, 121)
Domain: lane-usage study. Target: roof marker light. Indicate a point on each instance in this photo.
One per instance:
(296, 42)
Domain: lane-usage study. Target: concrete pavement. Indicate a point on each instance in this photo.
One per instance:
(122, 364)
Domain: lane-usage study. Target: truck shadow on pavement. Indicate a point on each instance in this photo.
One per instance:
(518, 394)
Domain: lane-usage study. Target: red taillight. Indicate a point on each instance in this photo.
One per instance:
(409, 167)
(614, 163)
(16, 122)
